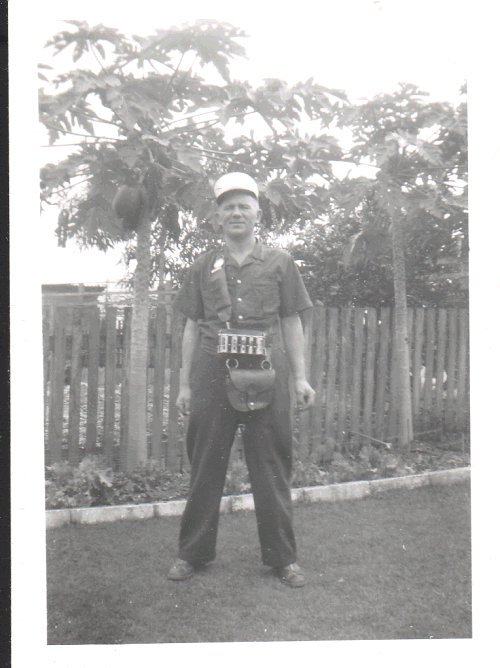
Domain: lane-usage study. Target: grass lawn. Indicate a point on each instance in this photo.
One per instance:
(396, 565)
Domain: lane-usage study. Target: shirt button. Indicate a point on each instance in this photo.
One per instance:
(240, 317)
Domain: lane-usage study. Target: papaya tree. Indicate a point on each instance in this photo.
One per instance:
(144, 122)
(418, 151)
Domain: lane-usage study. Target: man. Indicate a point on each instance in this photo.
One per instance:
(251, 296)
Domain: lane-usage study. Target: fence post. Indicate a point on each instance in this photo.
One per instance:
(159, 384)
(451, 364)
(125, 386)
(461, 405)
(369, 380)
(46, 327)
(174, 449)
(305, 416)
(440, 356)
(331, 378)
(317, 380)
(109, 385)
(392, 422)
(94, 343)
(417, 365)
(359, 314)
(75, 387)
(345, 365)
(56, 400)
(382, 371)
(429, 364)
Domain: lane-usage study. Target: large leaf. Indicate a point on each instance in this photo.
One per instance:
(190, 159)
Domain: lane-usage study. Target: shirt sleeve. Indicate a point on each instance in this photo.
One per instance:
(293, 294)
(188, 299)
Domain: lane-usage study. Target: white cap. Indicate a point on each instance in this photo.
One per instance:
(235, 181)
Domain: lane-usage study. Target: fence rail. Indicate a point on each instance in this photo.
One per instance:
(350, 358)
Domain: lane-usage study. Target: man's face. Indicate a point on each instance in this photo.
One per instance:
(237, 215)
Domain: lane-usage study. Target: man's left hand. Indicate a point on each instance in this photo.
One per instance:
(304, 393)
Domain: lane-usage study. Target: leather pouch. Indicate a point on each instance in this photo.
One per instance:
(250, 389)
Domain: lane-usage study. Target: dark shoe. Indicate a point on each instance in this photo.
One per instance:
(181, 570)
(291, 575)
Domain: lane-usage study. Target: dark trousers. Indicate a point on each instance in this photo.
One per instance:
(267, 441)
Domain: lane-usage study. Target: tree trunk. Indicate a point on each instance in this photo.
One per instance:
(405, 422)
(137, 449)
(161, 265)
(157, 448)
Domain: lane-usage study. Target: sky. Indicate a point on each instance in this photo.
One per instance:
(361, 46)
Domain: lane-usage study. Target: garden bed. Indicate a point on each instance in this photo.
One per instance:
(91, 483)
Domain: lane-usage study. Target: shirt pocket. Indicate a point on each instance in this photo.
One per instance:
(213, 297)
(267, 294)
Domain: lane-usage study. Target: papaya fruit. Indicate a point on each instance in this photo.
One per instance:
(127, 205)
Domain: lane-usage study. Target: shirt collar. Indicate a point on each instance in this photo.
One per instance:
(256, 254)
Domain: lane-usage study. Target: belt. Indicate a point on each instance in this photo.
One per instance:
(243, 342)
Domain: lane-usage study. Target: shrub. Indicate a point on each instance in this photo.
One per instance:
(84, 485)
(92, 483)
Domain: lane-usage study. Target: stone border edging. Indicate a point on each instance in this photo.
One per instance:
(230, 504)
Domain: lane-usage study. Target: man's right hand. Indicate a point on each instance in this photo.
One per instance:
(183, 402)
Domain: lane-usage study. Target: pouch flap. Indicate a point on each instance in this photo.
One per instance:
(250, 389)
(252, 381)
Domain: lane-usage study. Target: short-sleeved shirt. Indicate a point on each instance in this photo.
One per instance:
(267, 286)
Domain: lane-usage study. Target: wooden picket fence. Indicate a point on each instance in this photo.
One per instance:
(351, 363)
